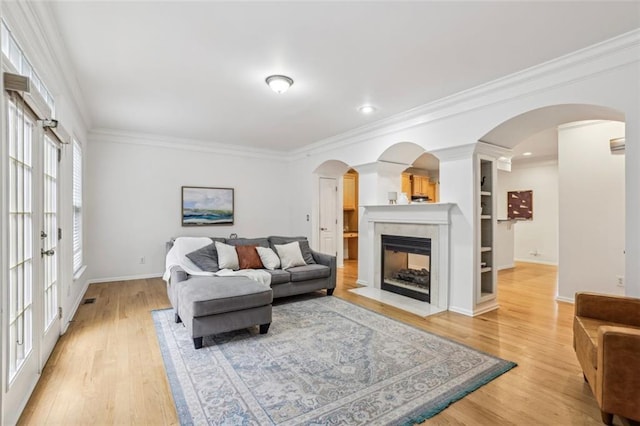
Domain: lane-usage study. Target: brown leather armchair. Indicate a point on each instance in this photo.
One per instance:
(606, 338)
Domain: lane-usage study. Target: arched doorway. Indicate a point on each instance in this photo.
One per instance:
(327, 223)
(566, 212)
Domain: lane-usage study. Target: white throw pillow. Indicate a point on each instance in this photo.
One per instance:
(269, 258)
(227, 256)
(290, 255)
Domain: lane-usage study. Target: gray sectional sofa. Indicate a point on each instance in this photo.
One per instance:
(214, 304)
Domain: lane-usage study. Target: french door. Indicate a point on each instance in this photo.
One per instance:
(32, 324)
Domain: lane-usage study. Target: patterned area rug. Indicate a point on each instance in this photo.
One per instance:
(325, 361)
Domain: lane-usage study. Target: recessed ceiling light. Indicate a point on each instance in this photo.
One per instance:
(526, 154)
(279, 83)
(367, 109)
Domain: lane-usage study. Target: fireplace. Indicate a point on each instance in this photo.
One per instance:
(406, 266)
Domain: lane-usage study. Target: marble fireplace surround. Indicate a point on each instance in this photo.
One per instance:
(431, 220)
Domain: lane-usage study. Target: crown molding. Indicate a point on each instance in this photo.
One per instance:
(454, 153)
(492, 150)
(609, 54)
(183, 144)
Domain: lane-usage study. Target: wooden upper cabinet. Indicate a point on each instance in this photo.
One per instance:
(349, 192)
(406, 184)
(423, 187)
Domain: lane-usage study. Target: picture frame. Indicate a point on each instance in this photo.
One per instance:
(207, 206)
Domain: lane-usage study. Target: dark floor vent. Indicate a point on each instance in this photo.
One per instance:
(89, 301)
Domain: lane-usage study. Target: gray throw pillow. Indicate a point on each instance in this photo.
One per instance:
(206, 258)
(304, 246)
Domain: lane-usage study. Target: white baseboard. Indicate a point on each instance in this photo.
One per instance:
(565, 299)
(540, 262)
(484, 310)
(72, 312)
(462, 311)
(125, 278)
(512, 265)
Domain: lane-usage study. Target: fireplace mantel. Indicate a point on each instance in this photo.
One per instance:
(431, 213)
(429, 220)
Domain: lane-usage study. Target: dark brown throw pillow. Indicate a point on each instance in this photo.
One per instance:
(248, 257)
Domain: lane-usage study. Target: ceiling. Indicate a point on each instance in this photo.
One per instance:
(196, 70)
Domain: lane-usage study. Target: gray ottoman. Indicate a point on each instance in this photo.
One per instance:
(228, 304)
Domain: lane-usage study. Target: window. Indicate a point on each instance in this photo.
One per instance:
(17, 58)
(77, 206)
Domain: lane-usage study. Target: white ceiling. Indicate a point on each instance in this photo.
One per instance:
(196, 70)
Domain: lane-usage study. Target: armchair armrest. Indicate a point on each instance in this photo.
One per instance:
(618, 373)
(619, 309)
(326, 260)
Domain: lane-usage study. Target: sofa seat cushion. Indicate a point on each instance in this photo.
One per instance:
(309, 272)
(278, 276)
(586, 336)
(202, 296)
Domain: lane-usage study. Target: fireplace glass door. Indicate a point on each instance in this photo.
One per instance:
(406, 266)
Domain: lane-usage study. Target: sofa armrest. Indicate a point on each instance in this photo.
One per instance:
(619, 309)
(178, 274)
(618, 378)
(326, 260)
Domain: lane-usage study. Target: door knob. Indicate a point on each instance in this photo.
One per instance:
(49, 252)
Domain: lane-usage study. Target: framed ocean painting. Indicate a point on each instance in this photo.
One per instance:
(203, 206)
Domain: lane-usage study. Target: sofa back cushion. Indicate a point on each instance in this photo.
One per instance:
(260, 242)
(304, 246)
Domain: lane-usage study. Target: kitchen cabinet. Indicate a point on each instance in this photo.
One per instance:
(406, 184)
(424, 187)
(349, 192)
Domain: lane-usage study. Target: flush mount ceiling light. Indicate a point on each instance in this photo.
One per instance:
(526, 154)
(367, 109)
(279, 83)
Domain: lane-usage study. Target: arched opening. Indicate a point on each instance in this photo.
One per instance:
(328, 222)
(561, 155)
(421, 181)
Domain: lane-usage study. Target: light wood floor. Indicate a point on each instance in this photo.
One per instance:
(107, 369)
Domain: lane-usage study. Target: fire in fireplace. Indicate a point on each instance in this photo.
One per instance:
(406, 266)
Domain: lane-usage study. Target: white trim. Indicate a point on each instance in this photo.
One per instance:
(510, 266)
(565, 299)
(77, 275)
(461, 311)
(362, 282)
(484, 310)
(124, 278)
(600, 57)
(540, 262)
(184, 144)
(72, 312)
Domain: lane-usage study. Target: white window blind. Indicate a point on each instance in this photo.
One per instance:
(77, 206)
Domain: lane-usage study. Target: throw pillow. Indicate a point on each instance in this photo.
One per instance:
(269, 258)
(304, 246)
(205, 258)
(290, 255)
(227, 256)
(248, 257)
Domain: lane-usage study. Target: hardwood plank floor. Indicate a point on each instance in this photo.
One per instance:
(107, 368)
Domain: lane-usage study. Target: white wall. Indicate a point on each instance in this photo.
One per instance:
(134, 201)
(534, 240)
(592, 209)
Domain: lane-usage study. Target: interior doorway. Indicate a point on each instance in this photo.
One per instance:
(350, 215)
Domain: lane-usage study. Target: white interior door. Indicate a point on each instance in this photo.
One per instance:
(328, 215)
